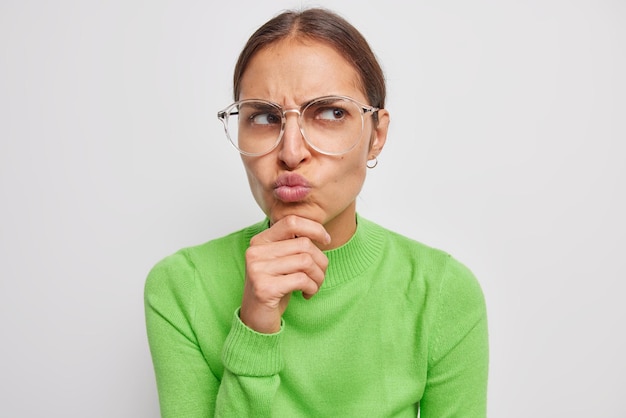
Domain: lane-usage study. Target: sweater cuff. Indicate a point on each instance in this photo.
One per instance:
(250, 353)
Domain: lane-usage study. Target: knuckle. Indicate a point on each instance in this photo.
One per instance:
(310, 286)
(305, 259)
(254, 269)
(258, 239)
(252, 254)
(304, 244)
(291, 221)
(302, 279)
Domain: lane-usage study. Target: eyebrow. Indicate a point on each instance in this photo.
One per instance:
(324, 101)
(256, 106)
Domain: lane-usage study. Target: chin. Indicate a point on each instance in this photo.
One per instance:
(278, 212)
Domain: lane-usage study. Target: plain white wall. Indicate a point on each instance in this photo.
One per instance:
(506, 149)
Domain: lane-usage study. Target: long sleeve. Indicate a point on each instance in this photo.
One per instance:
(251, 377)
(459, 353)
(187, 385)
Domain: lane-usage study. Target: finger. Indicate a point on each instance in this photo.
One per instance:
(280, 249)
(292, 282)
(304, 283)
(293, 226)
(272, 290)
(303, 262)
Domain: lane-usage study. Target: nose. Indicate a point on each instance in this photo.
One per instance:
(293, 148)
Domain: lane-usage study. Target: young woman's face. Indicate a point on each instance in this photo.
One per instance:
(294, 178)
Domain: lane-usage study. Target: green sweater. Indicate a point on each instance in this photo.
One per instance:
(396, 326)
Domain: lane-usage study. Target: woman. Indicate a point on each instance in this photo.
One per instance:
(314, 311)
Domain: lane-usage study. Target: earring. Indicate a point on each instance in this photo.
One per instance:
(372, 165)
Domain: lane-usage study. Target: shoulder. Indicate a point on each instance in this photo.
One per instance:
(172, 275)
(401, 248)
(445, 275)
(178, 272)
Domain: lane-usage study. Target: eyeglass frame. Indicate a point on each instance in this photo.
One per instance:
(225, 113)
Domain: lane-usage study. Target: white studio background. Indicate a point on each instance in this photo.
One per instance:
(506, 149)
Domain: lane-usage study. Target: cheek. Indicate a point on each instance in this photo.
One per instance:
(353, 173)
(254, 174)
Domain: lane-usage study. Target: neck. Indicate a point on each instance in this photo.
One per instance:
(341, 228)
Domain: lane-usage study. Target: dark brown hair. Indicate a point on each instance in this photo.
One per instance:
(324, 26)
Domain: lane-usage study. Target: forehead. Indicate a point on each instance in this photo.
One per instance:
(295, 70)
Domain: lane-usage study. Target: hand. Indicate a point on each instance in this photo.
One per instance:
(280, 260)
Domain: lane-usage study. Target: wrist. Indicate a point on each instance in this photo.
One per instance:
(260, 320)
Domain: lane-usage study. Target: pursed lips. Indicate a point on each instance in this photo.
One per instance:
(291, 187)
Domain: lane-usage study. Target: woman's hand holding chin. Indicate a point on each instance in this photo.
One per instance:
(280, 260)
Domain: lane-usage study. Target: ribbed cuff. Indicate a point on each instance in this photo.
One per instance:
(250, 353)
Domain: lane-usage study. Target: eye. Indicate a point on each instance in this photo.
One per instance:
(266, 118)
(330, 113)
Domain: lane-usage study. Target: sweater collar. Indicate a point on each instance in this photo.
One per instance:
(355, 256)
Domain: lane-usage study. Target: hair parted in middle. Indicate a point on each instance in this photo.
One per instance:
(324, 26)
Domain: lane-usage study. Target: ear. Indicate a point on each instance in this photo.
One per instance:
(379, 135)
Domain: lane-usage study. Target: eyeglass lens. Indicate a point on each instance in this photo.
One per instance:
(330, 125)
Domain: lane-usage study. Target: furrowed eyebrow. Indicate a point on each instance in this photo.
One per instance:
(323, 102)
(260, 106)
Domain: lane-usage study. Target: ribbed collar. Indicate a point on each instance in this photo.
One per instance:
(355, 256)
(351, 259)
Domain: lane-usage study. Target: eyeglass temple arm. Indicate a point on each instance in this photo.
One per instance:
(223, 114)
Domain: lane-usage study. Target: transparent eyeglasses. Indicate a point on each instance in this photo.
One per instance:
(331, 125)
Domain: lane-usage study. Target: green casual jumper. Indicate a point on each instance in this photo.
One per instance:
(396, 326)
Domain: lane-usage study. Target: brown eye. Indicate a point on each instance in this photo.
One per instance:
(334, 113)
(265, 119)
